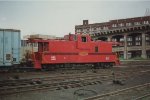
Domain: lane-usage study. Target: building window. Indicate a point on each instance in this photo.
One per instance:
(138, 43)
(78, 30)
(129, 43)
(105, 28)
(75, 30)
(114, 25)
(92, 29)
(145, 22)
(147, 43)
(84, 30)
(121, 39)
(129, 39)
(136, 23)
(128, 24)
(121, 24)
(114, 40)
(147, 38)
(138, 38)
(99, 28)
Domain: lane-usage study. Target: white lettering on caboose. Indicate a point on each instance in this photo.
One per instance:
(53, 57)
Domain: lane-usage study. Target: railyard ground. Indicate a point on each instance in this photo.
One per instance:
(80, 93)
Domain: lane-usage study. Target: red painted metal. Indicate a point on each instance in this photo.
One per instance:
(75, 48)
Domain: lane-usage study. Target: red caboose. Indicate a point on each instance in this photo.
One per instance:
(74, 49)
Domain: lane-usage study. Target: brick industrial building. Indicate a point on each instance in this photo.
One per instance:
(132, 33)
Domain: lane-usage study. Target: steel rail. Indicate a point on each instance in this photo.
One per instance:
(63, 78)
(57, 84)
(51, 86)
(98, 97)
(141, 97)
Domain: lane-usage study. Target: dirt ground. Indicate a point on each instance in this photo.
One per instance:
(82, 92)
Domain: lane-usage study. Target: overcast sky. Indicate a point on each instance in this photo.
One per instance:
(60, 17)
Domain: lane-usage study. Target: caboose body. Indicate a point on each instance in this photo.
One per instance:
(74, 49)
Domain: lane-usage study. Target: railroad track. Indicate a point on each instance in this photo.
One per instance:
(143, 96)
(61, 84)
(61, 78)
(52, 79)
(56, 85)
(50, 86)
(110, 95)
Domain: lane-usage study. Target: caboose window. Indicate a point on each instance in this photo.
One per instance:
(75, 38)
(83, 39)
(96, 49)
(45, 47)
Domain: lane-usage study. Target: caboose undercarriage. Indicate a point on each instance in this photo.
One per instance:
(78, 66)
